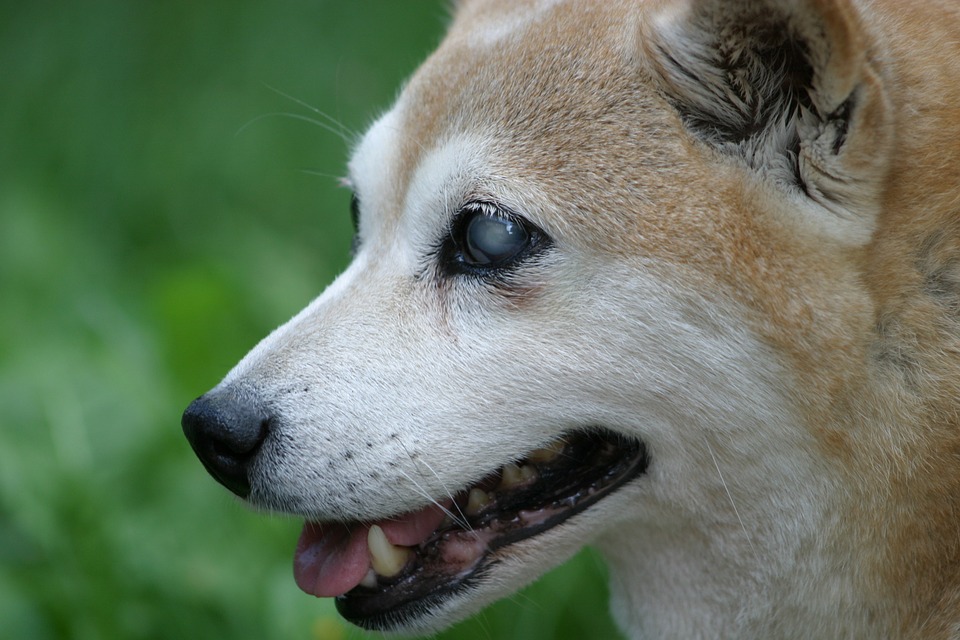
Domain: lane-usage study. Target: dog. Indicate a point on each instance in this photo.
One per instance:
(679, 279)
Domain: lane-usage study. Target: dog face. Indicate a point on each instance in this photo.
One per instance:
(607, 289)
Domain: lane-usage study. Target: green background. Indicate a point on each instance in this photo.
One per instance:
(165, 201)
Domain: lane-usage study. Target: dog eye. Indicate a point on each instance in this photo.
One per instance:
(491, 238)
(487, 240)
(355, 212)
(355, 220)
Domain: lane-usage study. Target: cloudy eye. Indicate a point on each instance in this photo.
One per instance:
(486, 239)
(491, 238)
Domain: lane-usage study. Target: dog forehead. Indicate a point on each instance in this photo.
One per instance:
(523, 70)
(556, 93)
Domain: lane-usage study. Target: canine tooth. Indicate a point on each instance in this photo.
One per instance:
(477, 501)
(547, 453)
(387, 559)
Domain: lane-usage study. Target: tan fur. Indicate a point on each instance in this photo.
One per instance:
(874, 352)
(823, 242)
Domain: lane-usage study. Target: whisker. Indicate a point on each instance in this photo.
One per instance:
(321, 174)
(296, 116)
(449, 494)
(730, 497)
(426, 495)
(462, 521)
(344, 131)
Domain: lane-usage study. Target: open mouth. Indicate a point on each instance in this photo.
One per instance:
(386, 573)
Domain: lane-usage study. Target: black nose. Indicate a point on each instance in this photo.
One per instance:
(226, 430)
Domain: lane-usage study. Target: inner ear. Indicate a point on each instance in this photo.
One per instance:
(735, 68)
(734, 83)
(780, 84)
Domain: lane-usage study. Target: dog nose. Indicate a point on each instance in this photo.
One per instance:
(226, 431)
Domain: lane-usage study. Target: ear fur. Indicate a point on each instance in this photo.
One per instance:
(785, 85)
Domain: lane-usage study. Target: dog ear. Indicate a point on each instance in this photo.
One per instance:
(787, 86)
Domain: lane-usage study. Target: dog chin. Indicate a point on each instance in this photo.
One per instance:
(422, 570)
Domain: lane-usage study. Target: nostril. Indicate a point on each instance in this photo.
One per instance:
(226, 431)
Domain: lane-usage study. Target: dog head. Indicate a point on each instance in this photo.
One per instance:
(605, 289)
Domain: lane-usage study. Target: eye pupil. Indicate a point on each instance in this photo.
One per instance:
(493, 239)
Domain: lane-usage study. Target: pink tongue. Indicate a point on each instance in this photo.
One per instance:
(332, 558)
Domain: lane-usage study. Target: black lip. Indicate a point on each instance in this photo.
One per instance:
(596, 463)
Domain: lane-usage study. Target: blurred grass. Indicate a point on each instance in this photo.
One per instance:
(156, 220)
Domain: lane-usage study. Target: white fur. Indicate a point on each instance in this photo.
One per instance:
(643, 360)
(399, 385)
(492, 31)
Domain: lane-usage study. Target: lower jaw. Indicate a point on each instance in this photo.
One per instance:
(367, 611)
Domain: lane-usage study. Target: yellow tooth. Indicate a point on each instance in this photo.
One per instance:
(511, 475)
(547, 453)
(527, 473)
(477, 501)
(370, 580)
(387, 559)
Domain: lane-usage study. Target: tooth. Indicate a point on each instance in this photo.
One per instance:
(547, 453)
(370, 580)
(511, 475)
(387, 559)
(477, 501)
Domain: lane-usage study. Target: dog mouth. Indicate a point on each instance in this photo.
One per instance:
(387, 573)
